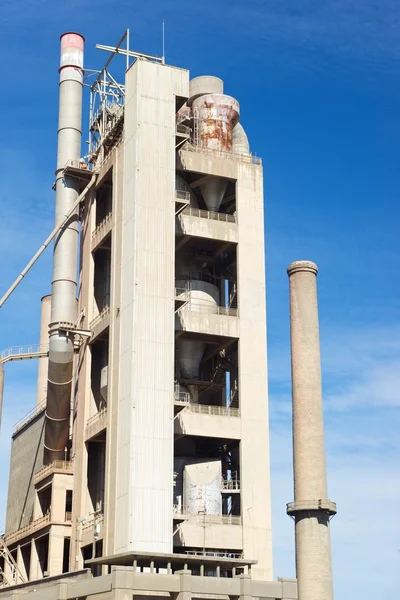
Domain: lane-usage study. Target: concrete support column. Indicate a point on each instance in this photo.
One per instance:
(185, 585)
(62, 591)
(311, 508)
(21, 565)
(35, 571)
(56, 551)
(245, 587)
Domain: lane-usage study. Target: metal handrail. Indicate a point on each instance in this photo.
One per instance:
(248, 158)
(23, 352)
(31, 528)
(219, 411)
(29, 416)
(65, 466)
(79, 164)
(182, 195)
(97, 416)
(220, 519)
(214, 554)
(209, 214)
(102, 224)
(182, 293)
(182, 397)
(184, 129)
(100, 316)
(91, 521)
(198, 276)
(230, 484)
(179, 510)
(210, 309)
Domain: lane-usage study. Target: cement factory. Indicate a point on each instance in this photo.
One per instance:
(143, 470)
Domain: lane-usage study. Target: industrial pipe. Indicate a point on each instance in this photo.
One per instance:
(43, 362)
(1, 390)
(311, 508)
(63, 301)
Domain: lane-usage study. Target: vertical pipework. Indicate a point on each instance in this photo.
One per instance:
(311, 508)
(43, 365)
(1, 390)
(63, 302)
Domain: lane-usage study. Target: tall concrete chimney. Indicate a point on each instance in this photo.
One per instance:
(311, 509)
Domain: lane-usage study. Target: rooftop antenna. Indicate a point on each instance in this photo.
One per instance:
(163, 41)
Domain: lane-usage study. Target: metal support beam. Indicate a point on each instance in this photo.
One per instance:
(52, 235)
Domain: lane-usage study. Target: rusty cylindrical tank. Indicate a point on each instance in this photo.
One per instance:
(216, 115)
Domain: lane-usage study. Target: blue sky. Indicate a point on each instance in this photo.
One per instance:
(318, 86)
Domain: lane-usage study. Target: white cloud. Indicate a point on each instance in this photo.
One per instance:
(362, 420)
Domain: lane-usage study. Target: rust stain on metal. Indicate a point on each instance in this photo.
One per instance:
(217, 115)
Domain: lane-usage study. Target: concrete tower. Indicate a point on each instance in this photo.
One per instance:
(311, 509)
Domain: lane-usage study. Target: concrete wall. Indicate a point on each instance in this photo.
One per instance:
(26, 459)
(145, 429)
(253, 390)
(124, 583)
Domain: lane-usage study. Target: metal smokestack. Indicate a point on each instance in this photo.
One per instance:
(63, 301)
(311, 509)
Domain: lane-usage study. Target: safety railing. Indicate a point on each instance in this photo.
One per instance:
(184, 511)
(182, 195)
(210, 308)
(100, 317)
(183, 129)
(28, 529)
(29, 416)
(96, 423)
(209, 214)
(214, 554)
(182, 293)
(247, 158)
(219, 411)
(103, 225)
(91, 522)
(57, 466)
(79, 164)
(21, 352)
(230, 485)
(320, 504)
(97, 416)
(180, 510)
(181, 397)
(219, 519)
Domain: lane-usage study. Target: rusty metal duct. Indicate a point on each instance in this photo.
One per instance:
(63, 302)
(216, 115)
